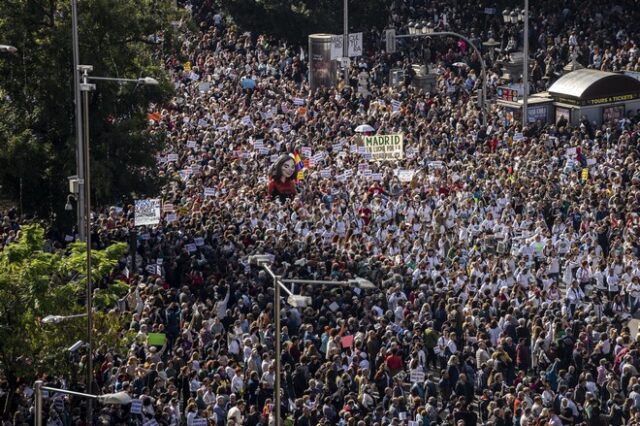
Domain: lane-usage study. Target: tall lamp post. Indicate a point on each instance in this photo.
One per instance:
(426, 30)
(345, 41)
(514, 17)
(119, 398)
(265, 261)
(85, 87)
(80, 209)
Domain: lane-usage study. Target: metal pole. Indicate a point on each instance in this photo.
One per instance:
(278, 355)
(525, 67)
(80, 208)
(345, 42)
(133, 248)
(38, 402)
(69, 392)
(87, 196)
(483, 67)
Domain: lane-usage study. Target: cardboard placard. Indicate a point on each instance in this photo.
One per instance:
(156, 339)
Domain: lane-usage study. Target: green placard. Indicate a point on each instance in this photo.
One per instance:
(156, 339)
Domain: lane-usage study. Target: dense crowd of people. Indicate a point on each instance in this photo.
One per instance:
(506, 266)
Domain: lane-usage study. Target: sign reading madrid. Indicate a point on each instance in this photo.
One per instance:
(384, 147)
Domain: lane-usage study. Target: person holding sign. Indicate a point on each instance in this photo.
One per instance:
(282, 179)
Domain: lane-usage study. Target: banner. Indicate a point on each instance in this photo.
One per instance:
(147, 212)
(384, 147)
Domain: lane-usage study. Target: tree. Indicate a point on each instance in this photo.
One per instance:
(295, 20)
(37, 132)
(35, 283)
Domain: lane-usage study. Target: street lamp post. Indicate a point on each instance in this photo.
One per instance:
(85, 87)
(514, 17)
(426, 30)
(525, 67)
(345, 41)
(264, 261)
(118, 398)
(80, 208)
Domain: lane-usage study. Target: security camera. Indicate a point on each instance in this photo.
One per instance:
(77, 345)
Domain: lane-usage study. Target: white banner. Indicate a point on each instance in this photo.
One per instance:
(147, 212)
(355, 45)
(384, 147)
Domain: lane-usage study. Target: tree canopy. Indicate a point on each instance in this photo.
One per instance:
(295, 20)
(35, 283)
(122, 38)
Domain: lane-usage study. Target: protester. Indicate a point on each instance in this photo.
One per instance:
(505, 274)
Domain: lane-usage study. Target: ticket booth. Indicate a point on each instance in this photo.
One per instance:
(598, 96)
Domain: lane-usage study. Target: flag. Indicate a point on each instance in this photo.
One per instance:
(298, 160)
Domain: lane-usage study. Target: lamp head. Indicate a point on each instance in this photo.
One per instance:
(77, 345)
(148, 81)
(5, 48)
(260, 259)
(53, 319)
(299, 301)
(506, 15)
(362, 283)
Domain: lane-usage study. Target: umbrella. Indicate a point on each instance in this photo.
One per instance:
(459, 64)
(364, 128)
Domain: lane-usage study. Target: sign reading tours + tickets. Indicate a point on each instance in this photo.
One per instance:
(384, 147)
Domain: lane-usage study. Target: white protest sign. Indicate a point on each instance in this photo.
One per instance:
(172, 157)
(147, 212)
(417, 376)
(171, 217)
(376, 176)
(405, 175)
(136, 406)
(354, 46)
(306, 151)
(191, 247)
(384, 147)
(199, 241)
(209, 192)
(191, 144)
(199, 422)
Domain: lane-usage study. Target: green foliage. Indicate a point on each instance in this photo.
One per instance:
(37, 132)
(295, 20)
(35, 283)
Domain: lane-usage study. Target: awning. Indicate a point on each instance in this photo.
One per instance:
(594, 87)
